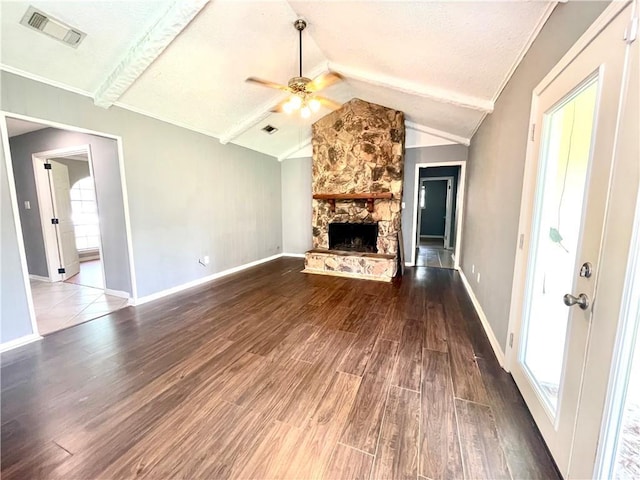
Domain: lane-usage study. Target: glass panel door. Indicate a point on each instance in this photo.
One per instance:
(564, 164)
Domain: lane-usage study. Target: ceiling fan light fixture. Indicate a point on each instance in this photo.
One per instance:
(295, 101)
(305, 112)
(288, 108)
(314, 103)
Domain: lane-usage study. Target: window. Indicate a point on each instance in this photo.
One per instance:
(85, 215)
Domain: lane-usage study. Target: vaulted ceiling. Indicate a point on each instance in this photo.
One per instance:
(442, 63)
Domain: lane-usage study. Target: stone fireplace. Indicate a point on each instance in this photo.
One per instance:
(358, 156)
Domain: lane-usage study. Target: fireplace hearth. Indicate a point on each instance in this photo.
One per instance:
(353, 237)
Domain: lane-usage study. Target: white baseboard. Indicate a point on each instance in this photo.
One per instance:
(409, 264)
(200, 281)
(117, 293)
(18, 342)
(495, 344)
(39, 278)
(296, 255)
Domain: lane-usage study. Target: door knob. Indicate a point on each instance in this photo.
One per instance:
(581, 300)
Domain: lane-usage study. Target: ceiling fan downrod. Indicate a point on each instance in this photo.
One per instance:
(300, 25)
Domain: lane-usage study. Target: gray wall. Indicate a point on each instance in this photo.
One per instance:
(413, 156)
(108, 196)
(296, 194)
(188, 195)
(14, 309)
(296, 205)
(496, 165)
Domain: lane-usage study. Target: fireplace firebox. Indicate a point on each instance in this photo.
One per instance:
(356, 237)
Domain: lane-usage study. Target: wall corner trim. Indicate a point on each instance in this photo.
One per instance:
(194, 283)
(18, 342)
(495, 344)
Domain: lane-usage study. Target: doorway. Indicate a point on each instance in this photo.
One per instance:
(436, 214)
(579, 177)
(60, 210)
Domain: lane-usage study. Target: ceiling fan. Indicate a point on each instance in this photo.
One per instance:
(302, 89)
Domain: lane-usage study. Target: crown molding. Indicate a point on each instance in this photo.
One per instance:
(425, 91)
(532, 37)
(291, 151)
(46, 81)
(263, 111)
(438, 133)
(147, 50)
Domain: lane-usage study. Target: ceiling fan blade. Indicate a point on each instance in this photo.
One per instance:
(267, 83)
(328, 103)
(324, 80)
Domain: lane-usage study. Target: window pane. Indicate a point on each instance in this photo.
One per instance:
(565, 155)
(93, 242)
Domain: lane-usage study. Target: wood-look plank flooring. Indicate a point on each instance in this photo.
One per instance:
(272, 373)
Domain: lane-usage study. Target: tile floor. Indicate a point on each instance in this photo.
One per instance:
(431, 253)
(61, 305)
(90, 274)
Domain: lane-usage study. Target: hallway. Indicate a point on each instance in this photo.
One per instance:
(431, 253)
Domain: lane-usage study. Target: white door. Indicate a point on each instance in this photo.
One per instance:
(65, 234)
(576, 122)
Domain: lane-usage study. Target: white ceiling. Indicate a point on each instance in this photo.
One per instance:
(442, 63)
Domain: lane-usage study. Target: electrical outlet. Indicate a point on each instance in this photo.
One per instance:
(478, 277)
(473, 269)
(27, 205)
(205, 260)
(403, 205)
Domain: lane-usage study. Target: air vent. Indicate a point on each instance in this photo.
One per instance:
(40, 21)
(270, 129)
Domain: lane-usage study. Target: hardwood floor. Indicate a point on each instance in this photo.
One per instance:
(271, 373)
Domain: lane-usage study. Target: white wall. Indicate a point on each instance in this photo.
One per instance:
(496, 164)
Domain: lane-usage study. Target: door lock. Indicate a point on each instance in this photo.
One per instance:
(581, 300)
(586, 270)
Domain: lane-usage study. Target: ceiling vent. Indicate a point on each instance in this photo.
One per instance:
(270, 129)
(40, 21)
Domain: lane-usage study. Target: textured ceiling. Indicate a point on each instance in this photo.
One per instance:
(442, 63)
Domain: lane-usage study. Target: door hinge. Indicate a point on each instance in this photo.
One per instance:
(631, 32)
(55, 221)
(521, 242)
(533, 132)
(511, 340)
(62, 270)
(47, 166)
